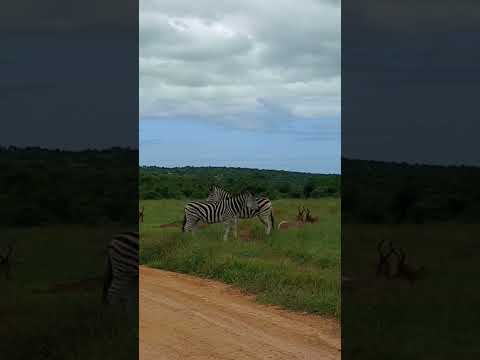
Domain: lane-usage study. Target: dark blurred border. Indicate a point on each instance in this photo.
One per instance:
(69, 174)
(410, 174)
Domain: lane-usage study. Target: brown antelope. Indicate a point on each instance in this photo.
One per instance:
(140, 215)
(405, 270)
(309, 218)
(301, 214)
(383, 266)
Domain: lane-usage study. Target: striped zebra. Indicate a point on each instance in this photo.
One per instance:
(264, 211)
(226, 211)
(121, 275)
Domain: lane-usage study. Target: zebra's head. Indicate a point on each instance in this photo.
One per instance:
(251, 201)
(217, 194)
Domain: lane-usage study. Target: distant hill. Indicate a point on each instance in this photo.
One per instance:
(194, 182)
(381, 192)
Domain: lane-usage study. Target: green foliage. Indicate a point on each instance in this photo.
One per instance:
(40, 187)
(379, 192)
(297, 268)
(194, 182)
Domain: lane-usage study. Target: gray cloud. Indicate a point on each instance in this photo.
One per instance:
(59, 15)
(218, 59)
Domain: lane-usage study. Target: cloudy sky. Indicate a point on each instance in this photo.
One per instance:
(240, 83)
(410, 75)
(69, 74)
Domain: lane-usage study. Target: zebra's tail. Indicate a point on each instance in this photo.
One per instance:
(107, 280)
(272, 219)
(184, 222)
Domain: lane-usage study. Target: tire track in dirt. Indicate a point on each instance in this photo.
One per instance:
(183, 317)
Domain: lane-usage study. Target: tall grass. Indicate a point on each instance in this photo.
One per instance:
(43, 320)
(297, 268)
(437, 317)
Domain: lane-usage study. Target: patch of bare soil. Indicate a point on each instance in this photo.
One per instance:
(284, 225)
(171, 225)
(245, 235)
(183, 317)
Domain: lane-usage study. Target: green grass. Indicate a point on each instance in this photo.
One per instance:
(436, 318)
(297, 268)
(39, 322)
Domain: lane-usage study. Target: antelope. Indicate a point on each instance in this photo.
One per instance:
(309, 218)
(383, 266)
(405, 270)
(301, 214)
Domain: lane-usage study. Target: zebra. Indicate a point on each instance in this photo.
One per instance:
(226, 211)
(121, 274)
(264, 211)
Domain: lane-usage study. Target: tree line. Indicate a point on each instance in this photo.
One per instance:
(194, 182)
(39, 186)
(383, 192)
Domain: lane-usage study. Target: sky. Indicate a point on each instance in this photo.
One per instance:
(264, 76)
(240, 83)
(410, 75)
(69, 74)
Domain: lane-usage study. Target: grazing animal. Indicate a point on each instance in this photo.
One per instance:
(309, 218)
(301, 214)
(405, 270)
(264, 211)
(383, 266)
(227, 211)
(121, 275)
(141, 213)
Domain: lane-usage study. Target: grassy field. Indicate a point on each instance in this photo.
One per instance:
(297, 268)
(436, 318)
(51, 308)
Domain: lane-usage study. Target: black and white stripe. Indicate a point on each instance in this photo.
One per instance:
(121, 276)
(226, 211)
(264, 209)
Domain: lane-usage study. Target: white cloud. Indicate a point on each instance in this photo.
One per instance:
(217, 59)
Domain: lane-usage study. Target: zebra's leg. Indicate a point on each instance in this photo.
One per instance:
(227, 230)
(191, 225)
(269, 222)
(235, 227)
(265, 221)
(195, 227)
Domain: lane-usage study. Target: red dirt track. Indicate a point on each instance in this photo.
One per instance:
(183, 317)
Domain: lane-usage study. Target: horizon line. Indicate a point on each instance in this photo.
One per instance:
(239, 167)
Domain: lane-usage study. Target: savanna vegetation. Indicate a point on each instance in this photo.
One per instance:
(430, 212)
(194, 182)
(51, 306)
(59, 210)
(380, 192)
(435, 317)
(297, 267)
(42, 187)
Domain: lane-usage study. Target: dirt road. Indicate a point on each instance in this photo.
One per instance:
(183, 317)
